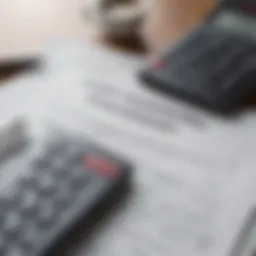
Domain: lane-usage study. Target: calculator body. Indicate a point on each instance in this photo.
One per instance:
(215, 65)
(55, 184)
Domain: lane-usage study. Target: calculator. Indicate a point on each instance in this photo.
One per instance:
(215, 65)
(51, 184)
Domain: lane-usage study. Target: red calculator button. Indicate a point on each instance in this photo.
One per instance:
(158, 65)
(102, 165)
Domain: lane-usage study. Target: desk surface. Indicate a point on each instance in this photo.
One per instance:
(26, 25)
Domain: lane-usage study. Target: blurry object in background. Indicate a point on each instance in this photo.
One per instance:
(27, 25)
(11, 68)
(132, 44)
(117, 18)
(168, 20)
(215, 65)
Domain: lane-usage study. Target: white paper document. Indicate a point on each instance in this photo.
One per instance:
(194, 173)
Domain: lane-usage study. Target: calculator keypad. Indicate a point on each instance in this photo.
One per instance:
(209, 66)
(38, 201)
(213, 65)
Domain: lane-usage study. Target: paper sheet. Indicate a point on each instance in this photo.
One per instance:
(194, 176)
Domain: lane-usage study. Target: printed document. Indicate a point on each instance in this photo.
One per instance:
(194, 172)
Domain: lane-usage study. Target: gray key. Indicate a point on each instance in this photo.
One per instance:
(74, 150)
(64, 196)
(12, 224)
(29, 203)
(29, 238)
(79, 178)
(3, 244)
(30, 182)
(47, 215)
(59, 163)
(59, 167)
(15, 252)
(56, 146)
(42, 164)
(47, 186)
(7, 205)
(2, 212)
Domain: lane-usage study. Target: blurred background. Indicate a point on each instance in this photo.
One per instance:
(26, 25)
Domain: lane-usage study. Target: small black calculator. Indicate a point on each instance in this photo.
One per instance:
(51, 185)
(215, 65)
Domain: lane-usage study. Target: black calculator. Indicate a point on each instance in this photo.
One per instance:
(215, 65)
(50, 186)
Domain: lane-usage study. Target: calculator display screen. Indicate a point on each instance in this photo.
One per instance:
(236, 22)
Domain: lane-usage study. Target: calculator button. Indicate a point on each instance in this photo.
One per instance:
(7, 205)
(158, 65)
(12, 224)
(3, 244)
(63, 198)
(56, 147)
(42, 164)
(2, 214)
(79, 178)
(14, 252)
(47, 215)
(66, 194)
(30, 182)
(12, 198)
(47, 185)
(101, 164)
(3, 209)
(29, 203)
(29, 238)
(59, 164)
(61, 169)
(74, 151)
(74, 160)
